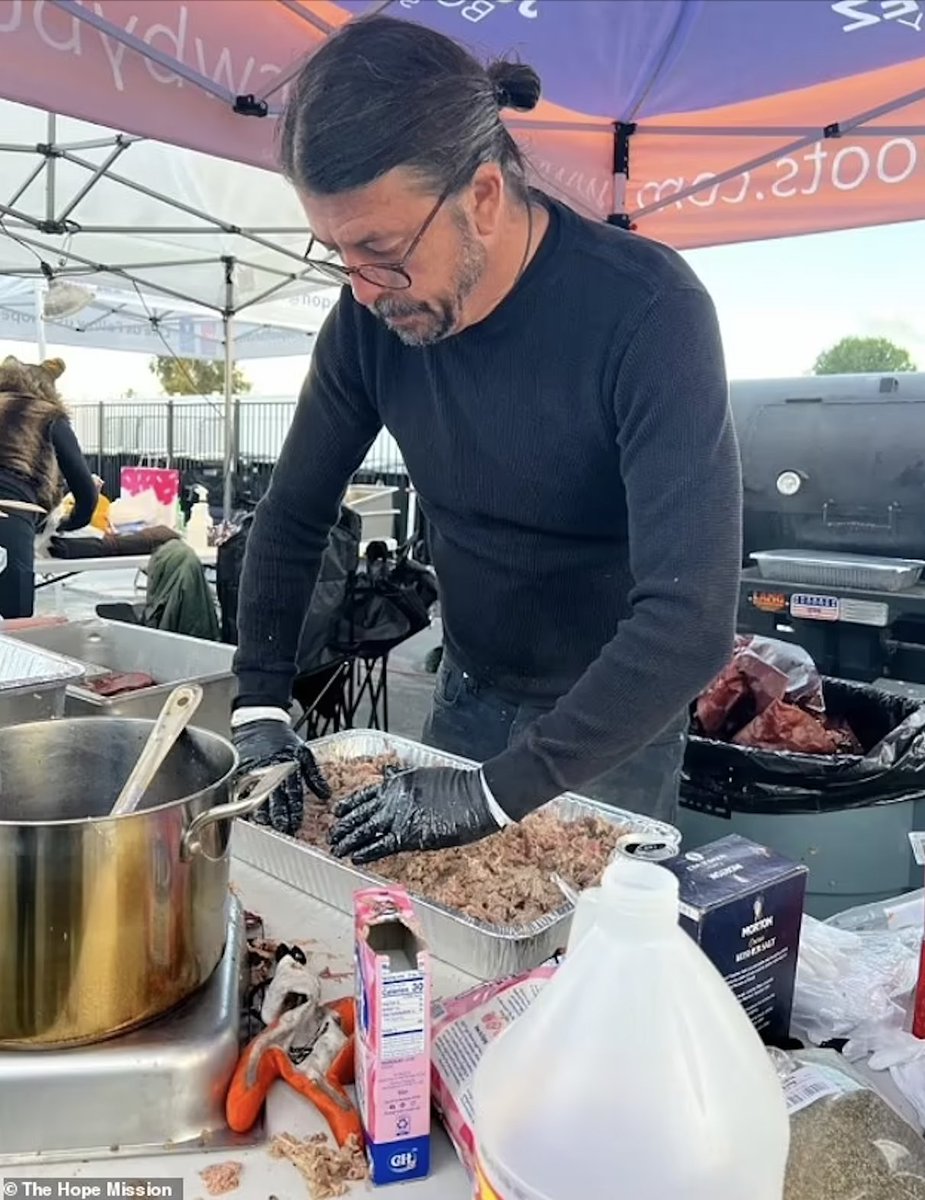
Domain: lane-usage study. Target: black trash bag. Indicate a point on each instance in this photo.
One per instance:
(721, 778)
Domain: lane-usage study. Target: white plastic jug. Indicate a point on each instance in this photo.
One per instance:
(200, 522)
(635, 1074)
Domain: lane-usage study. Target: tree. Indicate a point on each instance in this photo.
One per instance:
(196, 377)
(859, 355)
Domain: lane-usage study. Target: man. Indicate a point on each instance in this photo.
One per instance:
(557, 389)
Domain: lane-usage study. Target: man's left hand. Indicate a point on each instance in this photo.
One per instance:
(426, 808)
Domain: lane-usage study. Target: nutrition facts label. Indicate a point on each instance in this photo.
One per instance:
(403, 1017)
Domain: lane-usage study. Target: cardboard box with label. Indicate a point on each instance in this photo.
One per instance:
(743, 905)
(393, 1035)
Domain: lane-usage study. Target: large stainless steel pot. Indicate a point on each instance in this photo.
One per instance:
(106, 923)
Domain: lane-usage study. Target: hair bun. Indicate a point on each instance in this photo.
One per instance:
(516, 85)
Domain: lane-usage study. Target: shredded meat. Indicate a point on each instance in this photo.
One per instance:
(221, 1178)
(327, 1170)
(505, 879)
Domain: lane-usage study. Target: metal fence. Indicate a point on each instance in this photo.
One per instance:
(189, 436)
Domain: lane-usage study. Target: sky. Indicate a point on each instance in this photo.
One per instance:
(780, 303)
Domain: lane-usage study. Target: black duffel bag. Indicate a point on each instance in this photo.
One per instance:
(721, 778)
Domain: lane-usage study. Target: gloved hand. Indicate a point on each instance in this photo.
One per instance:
(266, 742)
(427, 808)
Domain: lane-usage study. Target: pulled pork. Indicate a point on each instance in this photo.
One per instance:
(328, 1170)
(505, 879)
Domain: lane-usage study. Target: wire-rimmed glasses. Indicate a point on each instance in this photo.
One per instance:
(391, 276)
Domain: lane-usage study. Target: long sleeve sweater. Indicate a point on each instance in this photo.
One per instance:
(76, 475)
(575, 458)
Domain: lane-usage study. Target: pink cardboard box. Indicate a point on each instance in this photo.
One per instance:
(393, 1035)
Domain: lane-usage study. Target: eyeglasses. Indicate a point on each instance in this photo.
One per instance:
(384, 275)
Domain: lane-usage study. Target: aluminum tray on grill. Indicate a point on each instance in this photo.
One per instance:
(819, 568)
(485, 951)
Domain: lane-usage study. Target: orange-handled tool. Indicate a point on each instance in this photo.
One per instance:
(321, 1076)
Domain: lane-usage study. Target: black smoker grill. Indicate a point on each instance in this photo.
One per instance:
(835, 466)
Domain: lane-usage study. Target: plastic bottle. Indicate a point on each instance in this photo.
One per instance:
(200, 522)
(635, 1074)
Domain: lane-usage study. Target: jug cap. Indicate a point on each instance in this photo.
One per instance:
(640, 888)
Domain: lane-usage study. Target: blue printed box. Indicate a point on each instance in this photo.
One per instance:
(743, 905)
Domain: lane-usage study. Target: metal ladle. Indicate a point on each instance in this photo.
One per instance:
(174, 717)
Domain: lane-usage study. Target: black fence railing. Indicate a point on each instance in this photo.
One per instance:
(189, 436)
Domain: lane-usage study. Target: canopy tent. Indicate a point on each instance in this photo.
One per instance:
(178, 240)
(697, 121)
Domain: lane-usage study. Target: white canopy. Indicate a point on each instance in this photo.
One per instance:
(161, 229)
(134, 213)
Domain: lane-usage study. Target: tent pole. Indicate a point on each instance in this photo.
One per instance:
(230, 455)
(40, 321)
(51, 127)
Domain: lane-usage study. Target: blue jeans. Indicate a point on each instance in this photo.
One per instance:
(470, 720)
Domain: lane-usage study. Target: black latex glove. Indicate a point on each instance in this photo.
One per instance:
(427, 808)
(267, 743)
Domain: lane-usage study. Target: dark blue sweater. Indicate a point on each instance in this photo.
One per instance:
(575, 457)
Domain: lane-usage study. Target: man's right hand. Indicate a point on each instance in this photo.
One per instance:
(266, 741)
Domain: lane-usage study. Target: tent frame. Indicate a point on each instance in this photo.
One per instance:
(55, 220)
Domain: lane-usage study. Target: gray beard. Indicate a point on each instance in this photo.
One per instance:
(437, 319)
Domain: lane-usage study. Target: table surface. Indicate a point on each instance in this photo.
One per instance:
(288, 915)
(106, 562)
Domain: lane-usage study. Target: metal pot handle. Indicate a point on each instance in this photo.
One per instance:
(250, 792)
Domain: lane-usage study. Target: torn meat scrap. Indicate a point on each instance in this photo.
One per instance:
(221, 1178)
(328, 1170)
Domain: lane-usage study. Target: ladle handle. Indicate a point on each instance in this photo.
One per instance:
(174, 717)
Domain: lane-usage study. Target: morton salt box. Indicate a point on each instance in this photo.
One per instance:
(743, 905)
(393, 1035)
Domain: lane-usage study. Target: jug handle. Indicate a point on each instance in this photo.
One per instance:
(250, 792)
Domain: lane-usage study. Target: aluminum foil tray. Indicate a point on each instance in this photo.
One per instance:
(33, 683)
(817, 568)
(484, 951)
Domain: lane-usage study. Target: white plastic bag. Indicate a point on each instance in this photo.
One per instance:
(860, 986)
(852, 984)
(142, 510)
